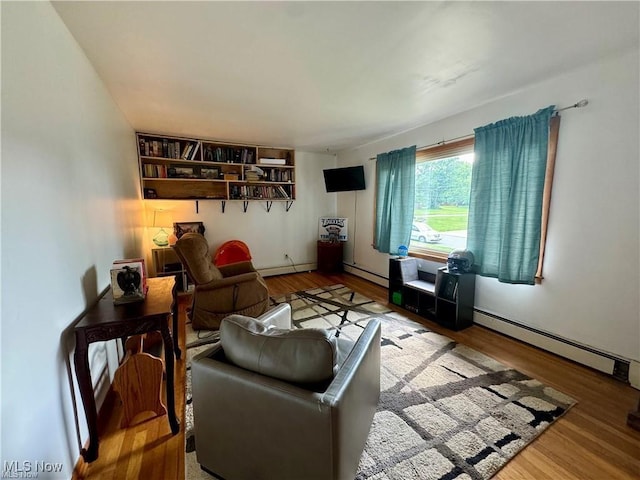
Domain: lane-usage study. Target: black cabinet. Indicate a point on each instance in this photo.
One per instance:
(446, 297)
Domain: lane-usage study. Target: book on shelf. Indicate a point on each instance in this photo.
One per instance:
(283, 192)
(194, 151)
(173, 150)
(154, 171)
(449, 288)
(186, 151)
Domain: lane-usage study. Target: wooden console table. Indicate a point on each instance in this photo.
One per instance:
(106, 321)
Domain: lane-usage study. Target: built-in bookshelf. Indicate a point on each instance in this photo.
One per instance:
(178, 168)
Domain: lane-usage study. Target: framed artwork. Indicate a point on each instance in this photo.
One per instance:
(180, 228)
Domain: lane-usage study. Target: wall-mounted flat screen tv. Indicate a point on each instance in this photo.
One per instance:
(344, 179)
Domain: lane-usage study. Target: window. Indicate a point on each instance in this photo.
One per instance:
(443, 182)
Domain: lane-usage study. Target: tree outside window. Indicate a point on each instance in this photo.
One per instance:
(443, 182)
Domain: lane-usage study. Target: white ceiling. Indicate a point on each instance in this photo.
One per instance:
(329, 75)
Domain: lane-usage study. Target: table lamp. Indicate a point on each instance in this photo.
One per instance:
(161, 218)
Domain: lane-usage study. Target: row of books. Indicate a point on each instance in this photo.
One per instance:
(165, 148)
(258, 191)
(277, 175)
(256, 174)
(229, 154)
(190, 151)
(154, 171)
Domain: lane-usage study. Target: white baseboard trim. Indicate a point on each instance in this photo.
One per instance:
(582, 354)
(303, 267)
(372, 277)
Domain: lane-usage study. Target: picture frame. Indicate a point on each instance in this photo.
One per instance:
(180, 228)
(210, 173)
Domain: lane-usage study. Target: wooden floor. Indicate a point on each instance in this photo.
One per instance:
(592, 441)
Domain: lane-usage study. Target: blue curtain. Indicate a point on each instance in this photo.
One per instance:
(505, 207)
(395, 175)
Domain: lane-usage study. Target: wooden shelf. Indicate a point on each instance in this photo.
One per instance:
(180, 168)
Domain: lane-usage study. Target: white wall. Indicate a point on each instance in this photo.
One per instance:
(591, 289)
(70, 206)
(269, 235)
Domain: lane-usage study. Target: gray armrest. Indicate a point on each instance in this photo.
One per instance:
(278, 317)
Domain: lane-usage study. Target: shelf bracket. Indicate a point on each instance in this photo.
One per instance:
(245, 205)
(224, 204)
(197, 207)
(269, 203)
(289, 204)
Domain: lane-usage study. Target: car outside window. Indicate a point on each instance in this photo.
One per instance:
(443, 183)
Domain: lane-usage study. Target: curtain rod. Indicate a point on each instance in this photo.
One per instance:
(441, 142)
(582, 103)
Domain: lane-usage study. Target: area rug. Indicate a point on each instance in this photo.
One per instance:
(446, 411)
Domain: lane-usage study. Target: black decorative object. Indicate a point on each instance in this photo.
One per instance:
(129, 281)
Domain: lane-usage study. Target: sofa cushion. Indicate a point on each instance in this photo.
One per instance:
(299, 355)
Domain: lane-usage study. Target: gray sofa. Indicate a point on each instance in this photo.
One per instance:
(263, 420)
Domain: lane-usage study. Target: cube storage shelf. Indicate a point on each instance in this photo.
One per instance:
(446, 297)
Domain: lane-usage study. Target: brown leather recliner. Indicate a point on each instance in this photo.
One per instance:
(273, 403)
(235, 288)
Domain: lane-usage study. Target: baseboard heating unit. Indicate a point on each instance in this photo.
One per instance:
(620, 368)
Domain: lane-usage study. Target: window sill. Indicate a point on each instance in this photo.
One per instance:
(427, 255)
